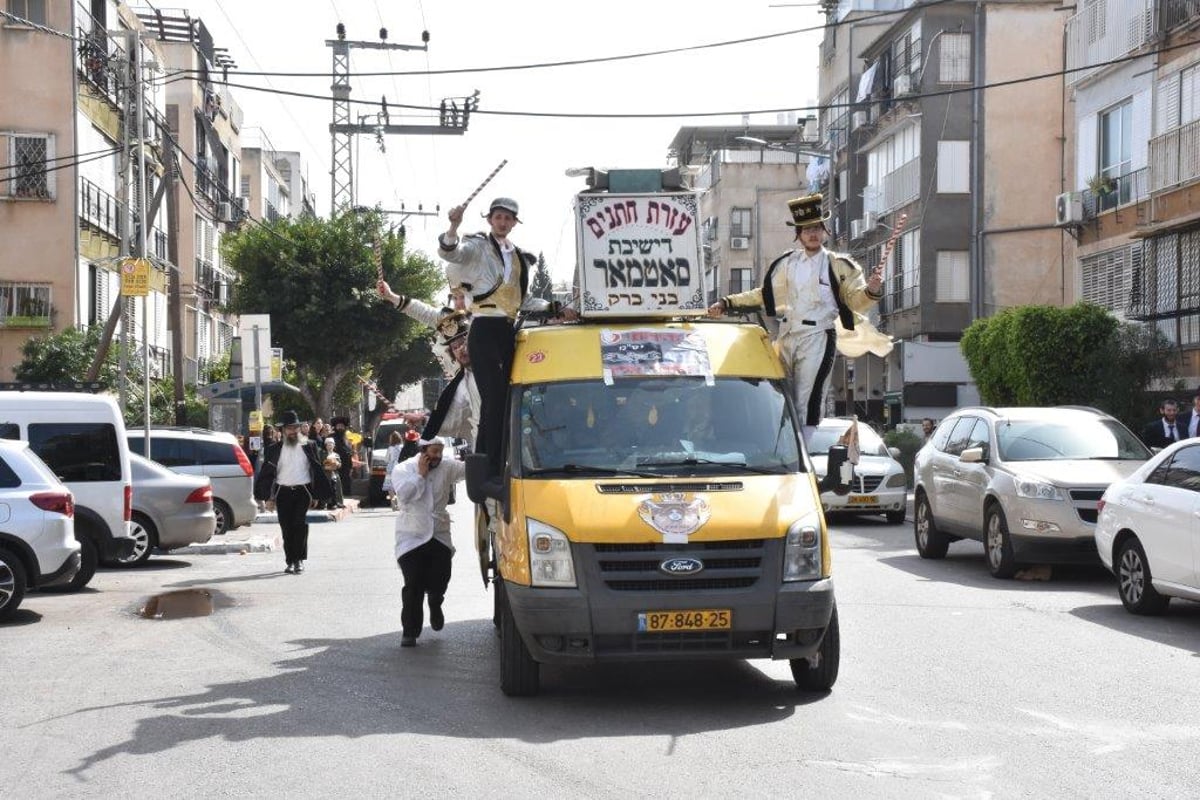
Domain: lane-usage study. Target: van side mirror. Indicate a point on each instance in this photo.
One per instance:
(838, 471)
(480, 486)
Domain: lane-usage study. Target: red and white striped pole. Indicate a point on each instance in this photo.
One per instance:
(486, 181)
(891, 242)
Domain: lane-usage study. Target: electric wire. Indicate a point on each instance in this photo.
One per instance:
(106, 151)
(56, 168)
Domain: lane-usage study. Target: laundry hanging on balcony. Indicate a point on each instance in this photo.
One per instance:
(866, 84)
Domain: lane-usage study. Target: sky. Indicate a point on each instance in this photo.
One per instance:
(279, 35)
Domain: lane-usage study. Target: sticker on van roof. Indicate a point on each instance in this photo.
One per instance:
(652, 351)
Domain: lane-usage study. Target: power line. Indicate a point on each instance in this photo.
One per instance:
(605, 59)
(69, 165)
(742, 112)
(107, 151)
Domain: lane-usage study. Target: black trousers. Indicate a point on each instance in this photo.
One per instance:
(291, 506)
(490, 345)
(426, 573)
(812, 414)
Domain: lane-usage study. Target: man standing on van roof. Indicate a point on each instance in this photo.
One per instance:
(494, 273)
(819, 298)
(292, 480)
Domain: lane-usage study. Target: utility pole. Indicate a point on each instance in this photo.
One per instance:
(174, 292)
(454, 114)
(143, 227)
(127, 124)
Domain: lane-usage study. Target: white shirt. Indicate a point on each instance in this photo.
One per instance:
(292, 469)
(462, 418)
(422, 513)
(810, 295)
(1193, 422)
(506, 252)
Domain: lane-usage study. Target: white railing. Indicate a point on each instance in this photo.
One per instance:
(902, 185)
(1106, 30)
(1175, 157)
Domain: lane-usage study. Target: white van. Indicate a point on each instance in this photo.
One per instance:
(81, 437)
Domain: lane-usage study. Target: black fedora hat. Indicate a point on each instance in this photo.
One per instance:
(289, 417)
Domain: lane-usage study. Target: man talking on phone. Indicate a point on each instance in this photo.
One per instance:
(424, 551)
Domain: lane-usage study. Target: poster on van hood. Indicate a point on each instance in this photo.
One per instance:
(639, 254)
(653, 351)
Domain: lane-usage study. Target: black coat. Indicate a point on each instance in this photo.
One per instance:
(1153, 434)
(264, 483)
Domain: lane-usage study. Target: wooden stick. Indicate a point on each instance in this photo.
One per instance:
(887, 248)
(486, 181)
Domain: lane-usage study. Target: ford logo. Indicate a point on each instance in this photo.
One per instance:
(681, 566)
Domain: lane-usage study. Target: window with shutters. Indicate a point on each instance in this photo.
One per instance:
(1109, 278)
(1178, 100)
(906, 54)
(902, 281)
(739, 222)
(954, 167)
(741, 279)
(952, 276)
(954, 58)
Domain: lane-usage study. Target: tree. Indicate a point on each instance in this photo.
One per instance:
(1045, 355)
(541, 286)
(65, 357)
(316, 279)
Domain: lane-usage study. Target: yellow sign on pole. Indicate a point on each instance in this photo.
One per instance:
(276, 363)
(135, 277)
(256, 422)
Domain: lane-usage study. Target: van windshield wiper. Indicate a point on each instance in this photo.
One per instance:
(574, 469)
(691, 461)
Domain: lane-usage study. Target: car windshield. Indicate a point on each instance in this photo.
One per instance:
(656, 426)
(1039, 440)
(829, 431)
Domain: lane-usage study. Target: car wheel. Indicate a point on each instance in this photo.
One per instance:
(819, 674)
(997, 544)
(895, 517)
(224, 515)
(145, 539)
(519, 673)
(12, 584)
(1134, 583)
(931, 543)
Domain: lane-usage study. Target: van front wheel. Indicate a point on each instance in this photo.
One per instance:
(519, 673)
(820, 673)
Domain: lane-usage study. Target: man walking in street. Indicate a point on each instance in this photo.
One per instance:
(818, 298)
(424, 550)
(494, 273)
(291, 481)
(1167, 429)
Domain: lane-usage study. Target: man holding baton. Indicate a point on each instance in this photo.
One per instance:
(494, 273)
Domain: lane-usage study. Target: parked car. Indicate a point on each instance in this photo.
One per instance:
(81, 437)
(38, 548)
(879, 485)
(1148, 534)
(1024, 481)
(170, 509)
(217, 455)
(379, 448)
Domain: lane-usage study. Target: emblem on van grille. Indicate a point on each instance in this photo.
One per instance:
(681, 566)
(674, 514)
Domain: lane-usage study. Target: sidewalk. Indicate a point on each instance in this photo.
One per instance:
(262, 536)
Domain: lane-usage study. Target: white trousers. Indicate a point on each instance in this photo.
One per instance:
(808, 359)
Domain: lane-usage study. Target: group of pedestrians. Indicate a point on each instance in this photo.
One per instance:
(1171, 426)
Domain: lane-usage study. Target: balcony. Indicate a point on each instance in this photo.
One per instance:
(1174, 13)
(99, 210)
(1132, 187)
(101, 62)
(1175, 157)
(900, 186)
(1106, 31)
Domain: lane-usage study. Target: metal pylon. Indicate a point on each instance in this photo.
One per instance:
(342, 167)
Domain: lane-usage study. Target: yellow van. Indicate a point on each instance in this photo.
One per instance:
(657, 504)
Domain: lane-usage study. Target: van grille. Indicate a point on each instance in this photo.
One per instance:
(662, 488)
(728, 565)
(682, 642)
(869, 483)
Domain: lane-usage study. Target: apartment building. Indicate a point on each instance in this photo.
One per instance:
(1132, 205)
(71, 183)
(294, 171)
(266, 194)
(941, 179)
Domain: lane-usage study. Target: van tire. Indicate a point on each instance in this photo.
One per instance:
(224, 515)
(821, 677)
(519, 673)
(13, 583)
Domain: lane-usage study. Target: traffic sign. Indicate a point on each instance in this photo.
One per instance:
(135, 277)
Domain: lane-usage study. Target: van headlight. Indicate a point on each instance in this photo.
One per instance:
(802, 551)
(550, 556)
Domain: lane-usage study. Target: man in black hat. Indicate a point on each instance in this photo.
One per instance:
(494, 273)
(291, 481)
(818, 298)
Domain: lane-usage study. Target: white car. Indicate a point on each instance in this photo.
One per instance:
(1148, 533)
(38, 548)
(879, 485)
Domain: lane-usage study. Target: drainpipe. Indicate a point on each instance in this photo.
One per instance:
(976, 240)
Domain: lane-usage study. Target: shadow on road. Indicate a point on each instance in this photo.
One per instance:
(1178, 627)
(869, 533)
(22, 616)
(448, 686)
(965, 565)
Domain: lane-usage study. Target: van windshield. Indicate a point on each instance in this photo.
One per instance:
(658, 426)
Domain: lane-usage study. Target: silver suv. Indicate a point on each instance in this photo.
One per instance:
(1024, 481)
(198, 451)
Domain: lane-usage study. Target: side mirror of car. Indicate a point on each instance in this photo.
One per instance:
(894, 452)
(972, 455)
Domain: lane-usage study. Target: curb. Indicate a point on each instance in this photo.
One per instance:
(268, 539)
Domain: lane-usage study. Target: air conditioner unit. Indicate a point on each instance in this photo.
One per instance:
(243, 205)
(224, 212)
(739, 243)
(856, 229)
(858, 119)
(868, 222)
(902, 85)
(1068, 209)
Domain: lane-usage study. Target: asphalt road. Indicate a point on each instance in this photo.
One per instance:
(952, 684)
